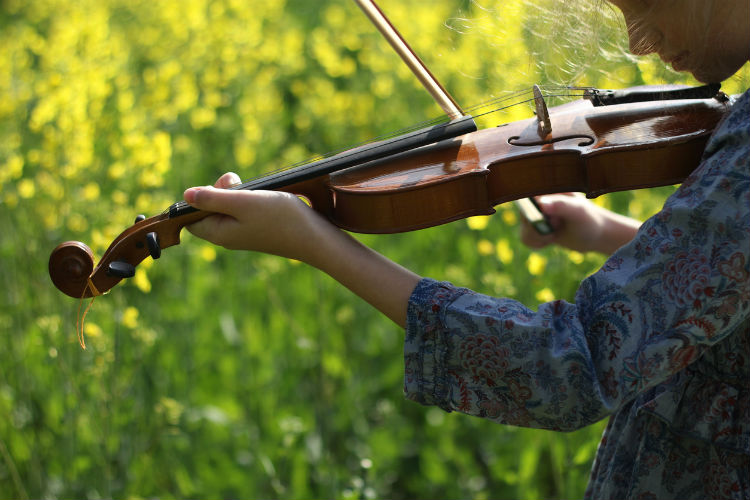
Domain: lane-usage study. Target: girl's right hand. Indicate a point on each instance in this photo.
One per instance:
(579, 225)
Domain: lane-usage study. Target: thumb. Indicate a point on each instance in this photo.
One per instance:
(211, 199)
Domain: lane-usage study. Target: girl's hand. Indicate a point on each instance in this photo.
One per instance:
(281, 224)
(580, 225)
(265, 221)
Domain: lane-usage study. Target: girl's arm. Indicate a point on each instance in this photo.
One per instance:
(281, 224)
(580, 225)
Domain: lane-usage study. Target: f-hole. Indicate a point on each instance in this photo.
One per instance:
(586, 140)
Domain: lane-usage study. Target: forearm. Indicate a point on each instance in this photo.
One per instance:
(251, 220)
(617, 230)
(580, 225)
(386, 285)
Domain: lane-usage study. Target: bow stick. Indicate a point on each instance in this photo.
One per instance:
(528, 206)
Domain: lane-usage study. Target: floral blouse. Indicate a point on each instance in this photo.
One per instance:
(658, 340)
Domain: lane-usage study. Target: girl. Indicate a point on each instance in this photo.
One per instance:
(658, 339)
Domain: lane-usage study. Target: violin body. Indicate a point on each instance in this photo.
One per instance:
(591, 149)
(594, 150)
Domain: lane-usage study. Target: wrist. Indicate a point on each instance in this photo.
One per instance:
(616, 231)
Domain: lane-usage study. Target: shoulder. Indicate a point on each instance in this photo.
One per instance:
(723, 178)
(734, 130)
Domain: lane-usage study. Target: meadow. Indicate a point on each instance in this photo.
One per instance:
(219, 374)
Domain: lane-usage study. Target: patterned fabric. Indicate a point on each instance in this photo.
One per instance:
(658, 340)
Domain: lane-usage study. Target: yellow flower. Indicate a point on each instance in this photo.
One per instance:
(382, 86)
(208, 253)
(119, 198)
(485, 247)
(91, 329)
(545, 295)
(202, 118)
(336, 16)
(504, 252)
(575, 257)
(163, 147)
(244, 152)
(150, 178)
(130, 317)
(478, 223)
(141, 281)
(536, 264)
(91, 191)
(510, 218)
(26, 188)
(77, 223)
(12, 169)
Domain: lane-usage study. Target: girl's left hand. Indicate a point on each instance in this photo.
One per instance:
(272, 222)
(280, 223)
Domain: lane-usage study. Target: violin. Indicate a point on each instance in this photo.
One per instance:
(607, 141)
(604, 142)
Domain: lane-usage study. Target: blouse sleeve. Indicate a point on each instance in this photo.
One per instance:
(658, 303)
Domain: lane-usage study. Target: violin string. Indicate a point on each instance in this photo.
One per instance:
(491, 105)
(394, 134)
(548, 92)
(426, 123)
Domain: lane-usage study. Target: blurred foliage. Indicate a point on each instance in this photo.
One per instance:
(232, 375)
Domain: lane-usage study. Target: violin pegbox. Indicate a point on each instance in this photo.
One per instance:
(152, 241)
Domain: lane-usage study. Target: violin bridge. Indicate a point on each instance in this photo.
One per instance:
(544, 126)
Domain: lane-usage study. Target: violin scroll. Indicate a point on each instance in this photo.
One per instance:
(70, 266)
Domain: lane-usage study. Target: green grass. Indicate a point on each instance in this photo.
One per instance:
(217, 374)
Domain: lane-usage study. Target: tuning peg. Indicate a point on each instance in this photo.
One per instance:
(121, 269)
(152, 240)
(139, 218)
